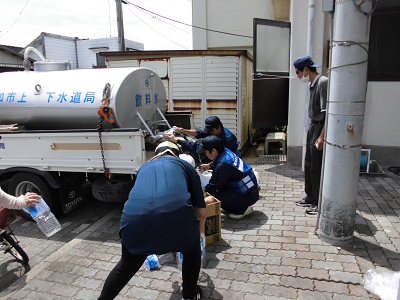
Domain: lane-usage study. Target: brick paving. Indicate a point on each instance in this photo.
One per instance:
(271, 254)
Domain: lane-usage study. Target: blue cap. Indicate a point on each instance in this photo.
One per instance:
(305, 61)
(211, 122)
(211, 142)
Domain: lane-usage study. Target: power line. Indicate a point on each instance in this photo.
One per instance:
(157, 31)
(16, 19)
(194, 26)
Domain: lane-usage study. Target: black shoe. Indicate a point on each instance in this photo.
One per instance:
(305, 202)
(197, 296)
(313, 210)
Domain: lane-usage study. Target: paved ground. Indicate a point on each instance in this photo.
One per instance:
(272, 254)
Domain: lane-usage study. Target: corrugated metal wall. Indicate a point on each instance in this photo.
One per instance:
(186, 86)
(209, 85)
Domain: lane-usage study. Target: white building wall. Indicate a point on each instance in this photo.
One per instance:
(58, 49)
(87, 56)
(232, 16)
(298, 118)
(381, 119)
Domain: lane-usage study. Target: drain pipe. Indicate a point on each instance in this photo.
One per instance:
(310, 44)
(348, 87)
(26, 62)
(325, 125)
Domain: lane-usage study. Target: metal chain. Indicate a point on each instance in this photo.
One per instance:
(99, 129)
(106, 95)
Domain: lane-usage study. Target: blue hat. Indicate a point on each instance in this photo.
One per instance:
(210, 142)
(211, 122)
(305, 61)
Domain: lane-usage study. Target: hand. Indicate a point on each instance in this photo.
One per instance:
(170, 137)
(31, 199)
(204, 167)
(319, 144)
(179, 129)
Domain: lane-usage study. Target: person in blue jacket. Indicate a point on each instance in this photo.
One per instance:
(213, 126)
(165, 212)
(233, 181)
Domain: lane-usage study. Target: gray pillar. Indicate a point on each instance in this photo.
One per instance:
(345, 118)
(120, 23)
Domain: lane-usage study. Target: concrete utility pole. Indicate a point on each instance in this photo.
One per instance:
(348, 87)
(120, 23)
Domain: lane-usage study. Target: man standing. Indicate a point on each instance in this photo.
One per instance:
(306, 71)
(165, 212)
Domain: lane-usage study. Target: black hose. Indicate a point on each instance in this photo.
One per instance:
(395, 170)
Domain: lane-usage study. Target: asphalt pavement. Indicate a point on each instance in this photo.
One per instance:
(273, 253)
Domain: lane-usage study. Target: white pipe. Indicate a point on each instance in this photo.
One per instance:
(325, 126)
(26, 62)
(310, 44)
(29, 49)
(310, 28)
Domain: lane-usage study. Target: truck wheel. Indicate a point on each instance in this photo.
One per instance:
(28, 182)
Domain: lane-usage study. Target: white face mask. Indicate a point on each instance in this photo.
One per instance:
(305, 79)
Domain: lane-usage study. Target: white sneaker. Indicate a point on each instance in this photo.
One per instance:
(248, 211)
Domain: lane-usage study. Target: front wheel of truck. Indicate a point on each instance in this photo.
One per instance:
(25, 182)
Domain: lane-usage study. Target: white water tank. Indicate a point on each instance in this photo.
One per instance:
(70, 99)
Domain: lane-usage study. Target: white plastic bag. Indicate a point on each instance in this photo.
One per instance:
(383, 283)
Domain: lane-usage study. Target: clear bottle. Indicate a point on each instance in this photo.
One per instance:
(44, 218)
(165, 258)
(203, 252)
(179, 261)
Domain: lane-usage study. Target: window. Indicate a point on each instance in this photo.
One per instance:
(384, 46)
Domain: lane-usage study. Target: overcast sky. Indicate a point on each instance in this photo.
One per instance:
(23, 20)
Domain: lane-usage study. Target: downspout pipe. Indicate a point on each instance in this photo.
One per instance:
(26, 56)
(310, 44)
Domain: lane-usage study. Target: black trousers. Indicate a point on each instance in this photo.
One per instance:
(313, 164)
(129, 264)
(236, 203)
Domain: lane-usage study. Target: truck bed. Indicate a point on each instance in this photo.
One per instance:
(73, 150)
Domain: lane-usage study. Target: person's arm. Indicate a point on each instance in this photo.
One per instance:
(191, 132)
(197, 197)
(202, 215)
(9, 201)
(319, 144)
(187, 146)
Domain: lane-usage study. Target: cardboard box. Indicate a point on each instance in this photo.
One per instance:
(213, 223)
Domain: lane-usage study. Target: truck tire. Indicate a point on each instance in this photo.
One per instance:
(28, 182)
(109, 190)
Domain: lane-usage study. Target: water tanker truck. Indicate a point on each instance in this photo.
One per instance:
(66, 132)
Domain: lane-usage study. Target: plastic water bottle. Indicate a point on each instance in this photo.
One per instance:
(152, 262)
(44, 218)
(203, 251)
(179, 261)
(165, 258)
